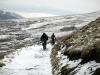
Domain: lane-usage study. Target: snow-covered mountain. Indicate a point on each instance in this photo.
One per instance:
(34, 15)
(5, 14)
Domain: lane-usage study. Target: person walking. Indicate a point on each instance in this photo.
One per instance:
(53, 38)
(44, 39)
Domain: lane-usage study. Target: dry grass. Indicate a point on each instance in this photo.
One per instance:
(88, 53)
(97, 48)
(66, 71)
(82, 44)
(54, 59)
(97, 72)
(2, 64)
(73, 54)
(91, 52)
(97, 44)
(2, 55)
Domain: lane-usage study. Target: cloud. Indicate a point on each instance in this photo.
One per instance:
(79, 6)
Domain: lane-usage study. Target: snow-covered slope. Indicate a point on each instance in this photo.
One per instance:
(24, 32)
(34, 15)
(5, 14)
(79, 52)
(18, 33)
(32, 60)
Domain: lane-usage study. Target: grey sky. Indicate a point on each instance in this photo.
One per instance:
(52, 6)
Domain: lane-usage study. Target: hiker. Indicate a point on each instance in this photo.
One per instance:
(44, 39)
(53, 38)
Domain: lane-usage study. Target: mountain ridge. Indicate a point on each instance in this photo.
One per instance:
(5, 15)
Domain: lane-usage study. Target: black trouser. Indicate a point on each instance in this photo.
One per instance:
(52, 41)
(44, 44)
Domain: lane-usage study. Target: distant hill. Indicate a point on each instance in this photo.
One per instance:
(5, 14)
(34, 15)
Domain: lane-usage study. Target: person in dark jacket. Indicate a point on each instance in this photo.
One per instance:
(44, 39)
(53, 38)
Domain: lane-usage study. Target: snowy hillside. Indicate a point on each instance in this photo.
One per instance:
(79, 52)
(30, 60)
(23, 32)
(5, 14)
(18, 33)
(34, 15)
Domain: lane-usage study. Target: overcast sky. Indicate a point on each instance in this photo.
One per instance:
(58, 7)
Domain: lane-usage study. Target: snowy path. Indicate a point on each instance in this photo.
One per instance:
(28, 61)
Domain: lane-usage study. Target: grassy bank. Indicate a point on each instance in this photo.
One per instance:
(81, 47)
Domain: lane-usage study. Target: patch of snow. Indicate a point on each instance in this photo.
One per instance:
(65, 60)
(3, 51)
(80, 48)
(97, 39)
(30, 15)
(59, 34)
(70, 64)
(31, 60)
(73, 63)
(87, 69)
(4, 36)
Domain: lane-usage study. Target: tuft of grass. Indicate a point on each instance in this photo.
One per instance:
(97, 45)
(67, 71)
(54, 59)
(97, 48)
(97, 72)
(5, 40)
(2, 64)
(73, 54)
(2, 55)
(88, 53)
(91, 52)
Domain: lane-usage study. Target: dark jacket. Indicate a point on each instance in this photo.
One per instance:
(44, 37)
(53, 37)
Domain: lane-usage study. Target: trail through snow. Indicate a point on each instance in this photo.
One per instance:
(28, 61)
